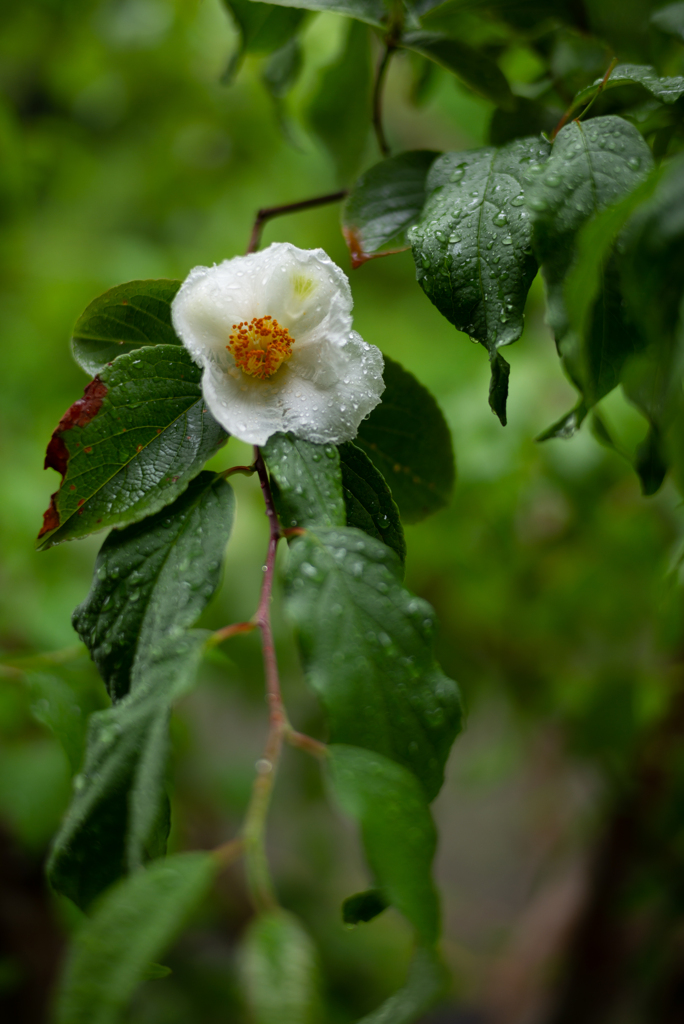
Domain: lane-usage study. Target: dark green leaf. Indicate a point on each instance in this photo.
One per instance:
(670, 20)
(472, 245)
(385, 202)
(567, 426)
(528, 117)
(125, 318)
(427, 982)
(363, 906)
(374, 12)
(407, 439)
(368, 500)
(650, 462)
(340, 112)
(398, 833)
(667, 90)
(367, 648)
(153, 579)
(131, 445)
(280, 971)
(498, 385)
(473, 67)
(263, 28)
(132, 925)
(306, 481)
(118, 817)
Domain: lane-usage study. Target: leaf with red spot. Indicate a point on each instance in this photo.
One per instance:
(131, 445)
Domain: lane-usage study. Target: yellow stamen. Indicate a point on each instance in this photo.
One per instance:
(261, 346)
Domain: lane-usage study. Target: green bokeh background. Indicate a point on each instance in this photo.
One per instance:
(123, 156)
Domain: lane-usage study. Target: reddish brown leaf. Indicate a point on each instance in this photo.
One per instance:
(78, 415)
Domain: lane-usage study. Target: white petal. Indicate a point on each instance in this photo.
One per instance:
(247, 408)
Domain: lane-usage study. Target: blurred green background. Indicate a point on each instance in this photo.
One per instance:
(123, 156)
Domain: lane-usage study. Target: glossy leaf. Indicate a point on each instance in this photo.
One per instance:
(664, 89)
(398, 834)
(280, 972)
(384, 203)
(475, 68)
(363, 906)
(118, 816)
(339, 113)
(408, 440)
(153, 579)
(367, 649)
(427, 982)
(122, 320)
(472, 245)
(368, 500)
(131, 445)
(133, 924)
(374, 12)
(306, 481)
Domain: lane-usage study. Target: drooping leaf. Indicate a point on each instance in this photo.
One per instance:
(475, 68)
(368, 500)
(306, 481)
(592, 166)
(339, 112)
(131, 926)
(398, 833)
(407, 438)
(280, 971)
(122, 320)
(153, 579)
(118, 816)
(664, 89)
(263, 27)
(367, 650)
(131, 445)
(427, 982)
(373, 12)
(363, 906)
(384, 203)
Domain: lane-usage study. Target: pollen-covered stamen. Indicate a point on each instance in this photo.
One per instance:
(261, 346)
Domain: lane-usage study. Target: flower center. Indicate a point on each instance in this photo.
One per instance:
(261, 346)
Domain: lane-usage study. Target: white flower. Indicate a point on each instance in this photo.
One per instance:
(273, 333)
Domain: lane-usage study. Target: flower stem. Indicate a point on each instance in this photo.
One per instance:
(571, 109)
(268, 212)
(377, 98)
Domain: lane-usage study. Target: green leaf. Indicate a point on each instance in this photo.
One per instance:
(472, 245)
(363, 906)
(384, 203)
(398, 833)
(153, 579)
(280, 972)
(133, 924)
(670, 20)
(407, 438)
(282, 69)
(667, 90)
(264, 27)
(478, 71)
(131, 445)
(591, 167)
(367, 650)
(118, 816)
(123, 320)
(368, 500)
(526, 118)
(373, 12)
(427, 983)
(306, 481)
(55, 705)
(339, 114)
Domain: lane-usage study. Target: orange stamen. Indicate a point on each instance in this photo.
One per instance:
(261, 346)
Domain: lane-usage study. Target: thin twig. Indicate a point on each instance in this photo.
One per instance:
(306, 743)
(573, 106)
(268, 212)
(377, 98)
(244, 470)
(225, 634)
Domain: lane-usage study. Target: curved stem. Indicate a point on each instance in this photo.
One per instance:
(268, 212)
(377, 99)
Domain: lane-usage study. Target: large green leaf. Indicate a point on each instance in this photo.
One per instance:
(473, 67)
(591, 167)
(385, 202)
(306, 481)
(374, 12)
(427, 982)
(124, 319)
(131, 926)
(118, 816)
(398, 833)
(131, 445)
(280, 971)
(408, 440)
(339, 112)
(472, 246)
(153, 579)
(367, 649)
(368, 500)
(667, 90)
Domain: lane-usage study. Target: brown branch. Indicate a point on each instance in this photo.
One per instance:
(268, 212)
